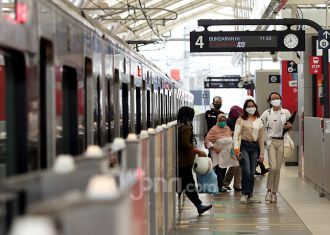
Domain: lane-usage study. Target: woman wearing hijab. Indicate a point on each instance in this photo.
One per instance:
(234, 171)
(219, 141)
(186, 157)
(248, 145)
(275, 121)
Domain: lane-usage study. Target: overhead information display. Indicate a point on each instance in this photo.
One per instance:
(243, 41)
(222, 82)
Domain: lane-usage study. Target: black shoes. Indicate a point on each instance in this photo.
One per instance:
(264, 171)
(201, 209)
(237, 189)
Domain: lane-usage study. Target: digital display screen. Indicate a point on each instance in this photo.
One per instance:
(242, 41)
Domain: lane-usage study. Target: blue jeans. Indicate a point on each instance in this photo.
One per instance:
(248, 163)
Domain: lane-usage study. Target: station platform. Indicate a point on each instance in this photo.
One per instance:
(299, 210)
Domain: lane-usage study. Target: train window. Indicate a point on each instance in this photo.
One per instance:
(70, 111)
(46, 111)
(13, 115)
(138, 110)
(8, 9)
(125, 109)
(97, 112)
(148, 109)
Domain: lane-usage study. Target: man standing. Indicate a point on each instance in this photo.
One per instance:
(211, 120)
(212, 114)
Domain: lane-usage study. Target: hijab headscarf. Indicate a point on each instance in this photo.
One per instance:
(217, 132)
(235, 112)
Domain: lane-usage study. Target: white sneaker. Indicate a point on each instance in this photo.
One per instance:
(253, 199)
(273, 198)
(243, 199)
(268, 196)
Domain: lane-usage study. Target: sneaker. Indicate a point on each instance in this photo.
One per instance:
(268, 196)
(273, 198)
(253, 199)
(265, 171)
(201, 209)
(228, 187)
(243, 199)
(222, 189)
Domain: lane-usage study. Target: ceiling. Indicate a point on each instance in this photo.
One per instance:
(154, 19)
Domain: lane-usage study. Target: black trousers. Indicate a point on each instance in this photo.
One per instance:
(220, 172)
(187, 184)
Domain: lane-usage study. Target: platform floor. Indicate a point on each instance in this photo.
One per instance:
(299, 210)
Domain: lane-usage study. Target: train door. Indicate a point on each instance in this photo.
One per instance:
(138, 108)
(88, 122)
(70, 111)
(148, 103)
(160, 105)
(132, 105)
(110, 112)
(47, 105)
(13, 115)
(109, 90)
(117, 105)
(124, 113)
(144, 105)
(97, 111)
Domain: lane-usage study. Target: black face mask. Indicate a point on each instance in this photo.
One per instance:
(217, 106)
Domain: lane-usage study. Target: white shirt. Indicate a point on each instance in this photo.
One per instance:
(274, 128)
(278, 126)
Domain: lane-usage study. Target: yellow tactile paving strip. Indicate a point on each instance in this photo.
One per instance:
(229, 217)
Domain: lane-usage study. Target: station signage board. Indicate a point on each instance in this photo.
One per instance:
(292, 67)
(324, 39)
(222, 82)
(315, 64)
(244, 41)
(274, 79)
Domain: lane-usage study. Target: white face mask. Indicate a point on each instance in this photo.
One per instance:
(251, 110)
(276, 103)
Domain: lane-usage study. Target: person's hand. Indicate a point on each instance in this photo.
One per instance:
(261, 158)
(288, 125)
(216, 149)
(237, 152)
(201, 154)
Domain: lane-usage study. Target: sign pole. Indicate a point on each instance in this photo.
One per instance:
(325, 55)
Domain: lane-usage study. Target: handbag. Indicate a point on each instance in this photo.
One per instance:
(207, 183)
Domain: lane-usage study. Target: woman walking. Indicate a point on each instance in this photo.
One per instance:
(220, 142)
(248, 145)
(275, 121)
(186, 158)
(234, 171)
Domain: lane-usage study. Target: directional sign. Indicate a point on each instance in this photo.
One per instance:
(222, 82)
(274, 79)
(324, 39)
(315, 64)
(292, 67)
(240, 41)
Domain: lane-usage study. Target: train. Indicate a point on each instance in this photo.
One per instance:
(66, 83)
